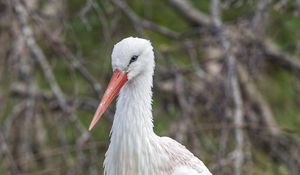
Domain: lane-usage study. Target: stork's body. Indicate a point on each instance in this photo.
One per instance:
(134, 148)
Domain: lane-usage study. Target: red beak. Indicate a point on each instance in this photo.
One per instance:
(117, 81)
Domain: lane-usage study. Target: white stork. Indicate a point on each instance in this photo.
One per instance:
(134, 148)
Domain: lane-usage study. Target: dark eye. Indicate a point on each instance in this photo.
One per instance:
(133, 59)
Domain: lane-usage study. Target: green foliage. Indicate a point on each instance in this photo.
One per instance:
(284, 29)
(279, 89)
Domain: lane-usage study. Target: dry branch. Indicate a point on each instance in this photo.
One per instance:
(139, 22)
(190, 13)
(38, 54)
(268, 136)
(67, 54)
(19, 90)
(6, 152)
(231, 61)
(281, 59)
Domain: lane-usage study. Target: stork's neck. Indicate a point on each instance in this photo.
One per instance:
(132, 136)
(133, 116)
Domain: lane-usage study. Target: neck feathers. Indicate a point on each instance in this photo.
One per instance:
(134, 106)
(132, 135)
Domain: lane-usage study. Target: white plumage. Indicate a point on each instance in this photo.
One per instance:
(134, 148)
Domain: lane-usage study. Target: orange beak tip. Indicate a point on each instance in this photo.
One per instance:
(90, 128)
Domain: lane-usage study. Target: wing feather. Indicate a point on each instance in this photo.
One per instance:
(181, 160)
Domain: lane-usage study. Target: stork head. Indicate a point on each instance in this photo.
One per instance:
(131, 57)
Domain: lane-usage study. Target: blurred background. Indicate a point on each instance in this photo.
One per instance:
(226, 84)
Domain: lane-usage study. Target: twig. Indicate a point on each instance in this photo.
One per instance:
(190, 13)
(48, 96)
(256, 97)
(193, 56)
(68, 54)
(270, 138)
(9, 159)
(236, 93)
(84, 10)
(27, 33)
(260, 17)
(139, 22)
(281, 59)
(107, 27)
(22, 17)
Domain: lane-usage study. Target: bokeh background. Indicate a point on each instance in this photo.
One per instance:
(226, 85)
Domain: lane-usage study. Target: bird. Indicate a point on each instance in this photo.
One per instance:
(134, 148)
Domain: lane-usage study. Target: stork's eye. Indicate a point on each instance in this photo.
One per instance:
(133, 59)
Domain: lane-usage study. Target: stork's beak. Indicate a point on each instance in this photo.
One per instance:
(117, 81)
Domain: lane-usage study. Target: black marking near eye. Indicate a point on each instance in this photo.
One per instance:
(133, 59)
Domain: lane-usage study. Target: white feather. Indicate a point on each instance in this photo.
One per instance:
(134, 148)
(183, 170)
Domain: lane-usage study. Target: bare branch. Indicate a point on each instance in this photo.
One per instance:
(22, 17)
(48, 96)
(236, 93)
(58, 45)
(138, 21)
(269, 136)
(190, 13)
(6, 151)
(260, 16)
(281, 59)
(256, 97)
(27, 33)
